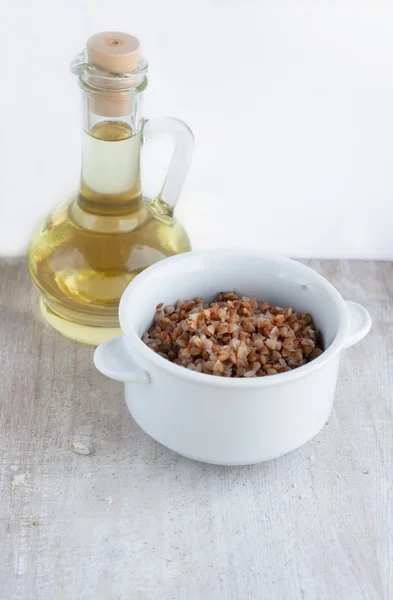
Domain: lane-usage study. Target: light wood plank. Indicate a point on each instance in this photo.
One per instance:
(134, 521)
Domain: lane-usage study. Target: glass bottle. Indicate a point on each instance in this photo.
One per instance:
(86, 252)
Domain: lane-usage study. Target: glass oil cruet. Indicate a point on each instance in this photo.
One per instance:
(85, 253)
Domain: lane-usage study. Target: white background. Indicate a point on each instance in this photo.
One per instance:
(291, 103)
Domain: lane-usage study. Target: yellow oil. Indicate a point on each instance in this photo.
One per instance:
(83, 256)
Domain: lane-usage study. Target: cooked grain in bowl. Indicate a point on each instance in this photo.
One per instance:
(233, 336)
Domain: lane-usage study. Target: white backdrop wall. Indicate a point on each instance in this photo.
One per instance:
(291, 104)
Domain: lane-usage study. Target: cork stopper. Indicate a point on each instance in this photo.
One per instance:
(113, 52)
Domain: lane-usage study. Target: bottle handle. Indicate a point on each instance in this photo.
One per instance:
(172, 129)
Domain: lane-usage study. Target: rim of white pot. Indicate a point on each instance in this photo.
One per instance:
(234, 382)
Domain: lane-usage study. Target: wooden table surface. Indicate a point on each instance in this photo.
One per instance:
(134, 521)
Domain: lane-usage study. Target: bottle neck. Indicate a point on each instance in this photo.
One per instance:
(110, 176)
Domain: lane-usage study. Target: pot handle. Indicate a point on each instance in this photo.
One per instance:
(359, 323)
(111, 359)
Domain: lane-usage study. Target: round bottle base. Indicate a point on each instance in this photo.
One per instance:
(79, 333)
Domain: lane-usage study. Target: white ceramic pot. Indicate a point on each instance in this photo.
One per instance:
(230, 421)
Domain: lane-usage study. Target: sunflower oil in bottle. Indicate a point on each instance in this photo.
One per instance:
(86, 252)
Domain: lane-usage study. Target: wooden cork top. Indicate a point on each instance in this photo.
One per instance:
(113, 51)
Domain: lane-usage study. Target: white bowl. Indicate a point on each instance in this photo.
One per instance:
(230, 421)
